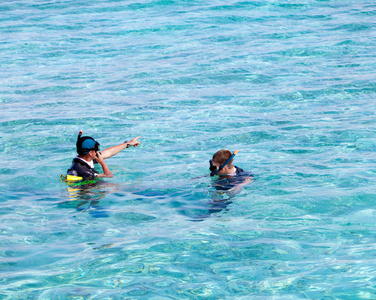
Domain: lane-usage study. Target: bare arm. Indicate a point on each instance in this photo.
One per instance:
(109, 152)
(106, 170)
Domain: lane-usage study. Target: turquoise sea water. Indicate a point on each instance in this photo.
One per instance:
(291, 84)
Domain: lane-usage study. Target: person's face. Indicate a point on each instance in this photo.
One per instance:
(93, 154)
(217, 165)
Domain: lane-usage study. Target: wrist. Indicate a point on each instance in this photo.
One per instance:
(128, 145)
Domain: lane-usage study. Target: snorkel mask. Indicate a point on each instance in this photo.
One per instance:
(85, 144)
(214, 169)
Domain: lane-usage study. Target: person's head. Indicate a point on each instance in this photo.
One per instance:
(219, 158)
(86, 145)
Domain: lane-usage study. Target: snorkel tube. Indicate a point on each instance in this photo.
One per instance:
(78, 146)
(224, 164)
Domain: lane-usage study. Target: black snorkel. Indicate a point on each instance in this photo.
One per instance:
(216, 170)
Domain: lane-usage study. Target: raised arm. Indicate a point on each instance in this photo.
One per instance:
(109, 152)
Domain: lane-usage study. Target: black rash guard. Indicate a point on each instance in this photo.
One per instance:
(82, 169)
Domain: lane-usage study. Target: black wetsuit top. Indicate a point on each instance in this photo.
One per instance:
(82, 169)
(228, 182)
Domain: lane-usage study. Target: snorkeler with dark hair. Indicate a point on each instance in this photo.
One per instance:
(89, 153)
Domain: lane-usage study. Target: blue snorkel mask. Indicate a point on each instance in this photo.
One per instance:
(214, 169)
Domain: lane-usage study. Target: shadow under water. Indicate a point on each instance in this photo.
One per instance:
(197, 203)
(85, 197)
(221, 192)
(200, 201)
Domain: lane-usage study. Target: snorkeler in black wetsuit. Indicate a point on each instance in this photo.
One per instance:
(83, 164)
(88, 154)
(87, 192)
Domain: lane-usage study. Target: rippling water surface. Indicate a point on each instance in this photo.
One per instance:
(291, 84)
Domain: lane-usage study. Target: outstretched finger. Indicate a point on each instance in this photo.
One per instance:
(135, 140)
